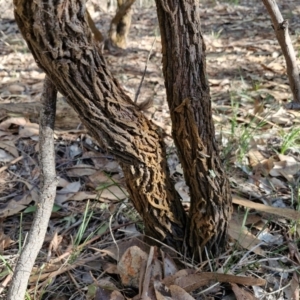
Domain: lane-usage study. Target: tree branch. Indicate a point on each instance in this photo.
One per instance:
(48, 191)
(282, 34)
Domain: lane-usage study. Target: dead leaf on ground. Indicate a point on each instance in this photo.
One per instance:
(67, 192)
(103, 294)
(15, 206)
(5, 157)
(244, 237)
(282, 212)
(286, 167)
(5, 241)
(13, 121)
(241, 294)
(295, 283)
(130, 266)
(81, 170)
(179, 293)
(99, 178)
(79, 196)
(281, 117)
(118, 250)
(10, 147)
(113, 192)
(161, 291)
(54, 244)
(259, 163)
(169, 266)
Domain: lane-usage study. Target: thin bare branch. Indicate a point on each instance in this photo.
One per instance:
(282, 34)
(38, 229)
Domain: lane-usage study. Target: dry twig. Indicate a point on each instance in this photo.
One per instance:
(38, 229)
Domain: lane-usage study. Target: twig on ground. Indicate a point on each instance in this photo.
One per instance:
(49, 181)
(10, 163)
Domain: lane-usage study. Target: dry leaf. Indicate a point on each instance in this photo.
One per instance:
(161, 291)
(5, 156)
(16, 88)
(194, 281)
(259, 163)
(99, 178)
(29, 130)
(106, 294)
(10, 147)
(81, 170)
(15, 206)
(55, 242)
(286, 167)
(130, 266)
(113, 193)
(281, 117)
(282, 212)
(182, 273)
(169, 266)
(119, 250)
(5, 241)
(67, 192)
(245, 238)
(241, 294)
(16, 121)
(179, 293)
(295, 282)
(83, 196)
(112, 167)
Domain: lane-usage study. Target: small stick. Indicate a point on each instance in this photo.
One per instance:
(49, 181)
(143, 77)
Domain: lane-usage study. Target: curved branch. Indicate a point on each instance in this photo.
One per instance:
(60, 40)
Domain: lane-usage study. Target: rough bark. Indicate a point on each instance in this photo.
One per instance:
(61, 42)
(120, 24)
(193, 130)
(39, 226)
(282, 34)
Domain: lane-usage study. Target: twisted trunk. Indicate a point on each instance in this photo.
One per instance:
(193, 129)
(60, 40)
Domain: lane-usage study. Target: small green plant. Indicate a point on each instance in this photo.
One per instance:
(216, 34)
(83, 226)
(289, 140)
(234, 2)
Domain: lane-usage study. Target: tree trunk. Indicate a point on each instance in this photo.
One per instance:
(193, 129)
(120, 25)
(76, 67)
(282, 34)
(80, 73)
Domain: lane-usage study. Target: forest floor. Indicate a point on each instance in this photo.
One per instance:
(93, 222)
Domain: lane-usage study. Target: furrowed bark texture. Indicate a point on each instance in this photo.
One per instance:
(193, 130)
(60, 40)
(281, 29)
(39, 226)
